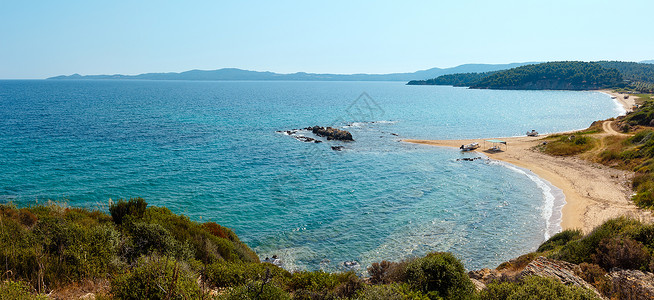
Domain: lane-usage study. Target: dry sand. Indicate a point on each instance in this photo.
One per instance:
(593, 193)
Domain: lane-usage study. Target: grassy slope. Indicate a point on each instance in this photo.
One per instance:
(142, 252)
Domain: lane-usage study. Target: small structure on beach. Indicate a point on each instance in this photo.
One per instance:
(496, 145)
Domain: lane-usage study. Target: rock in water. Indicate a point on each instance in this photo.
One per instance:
(331, 133)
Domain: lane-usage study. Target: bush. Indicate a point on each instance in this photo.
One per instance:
(394, 291)
(439, 274)
(582, 250)
(153, 238)
(157, 278)
(535, 287)
(596, 276)
(321, 285)
(226, 274)
(135, 208)
(255, 290)
(17, 290)
(387, 272)
(623, 253)
(560, 239)
(569, 145)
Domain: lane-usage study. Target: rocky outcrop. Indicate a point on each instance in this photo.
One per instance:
(559, 270)
(331, 133)
(632, 284)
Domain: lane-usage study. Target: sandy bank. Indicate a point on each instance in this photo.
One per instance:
(627, 103)
(594, 193)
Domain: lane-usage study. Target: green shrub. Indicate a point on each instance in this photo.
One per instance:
(255, 290)
(16, 290)
(135, 208)
(596, 276)
(157, 278)
(535, 287)
(205, 246)
(623, 253)
(153, 238)
(569, 145)
(439, 274)
(322, 285)
(394, 291)
(582, 250)
(387, 272)
(560, 239)
(228, 274)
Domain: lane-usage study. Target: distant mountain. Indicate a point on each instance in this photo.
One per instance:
(239, 74)
(647, 61)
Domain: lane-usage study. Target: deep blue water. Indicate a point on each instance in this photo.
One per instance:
(210, 150)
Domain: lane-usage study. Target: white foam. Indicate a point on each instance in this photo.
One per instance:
(553, 197)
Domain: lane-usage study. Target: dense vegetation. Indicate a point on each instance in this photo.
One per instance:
(621, 243)
(570, 75)
(141, 252)
(631, 71)
(459, 79)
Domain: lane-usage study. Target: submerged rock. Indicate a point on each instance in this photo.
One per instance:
(337, 148)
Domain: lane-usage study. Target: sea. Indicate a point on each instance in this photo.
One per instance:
(232, 152)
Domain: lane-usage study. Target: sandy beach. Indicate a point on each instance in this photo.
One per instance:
(593, 192)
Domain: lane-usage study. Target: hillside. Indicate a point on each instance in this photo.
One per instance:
(557, 76)
(459, 79)
(141, 252)
(238, 74)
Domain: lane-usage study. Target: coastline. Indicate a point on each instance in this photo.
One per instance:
(627, 104)
(593, 192)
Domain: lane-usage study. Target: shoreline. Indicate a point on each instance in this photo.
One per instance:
(593, 192)
(627, 104)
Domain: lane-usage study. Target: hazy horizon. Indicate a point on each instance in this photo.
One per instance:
(51, 38)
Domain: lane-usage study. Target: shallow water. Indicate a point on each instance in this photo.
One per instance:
(210, 150)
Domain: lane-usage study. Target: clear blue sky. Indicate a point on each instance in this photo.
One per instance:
(46, 38)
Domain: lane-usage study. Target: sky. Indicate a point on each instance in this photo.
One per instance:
(39, 39)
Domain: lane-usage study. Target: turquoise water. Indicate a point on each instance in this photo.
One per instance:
(210, 150)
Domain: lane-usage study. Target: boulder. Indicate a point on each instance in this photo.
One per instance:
(632, 284)
(559, 270)
(332, 133)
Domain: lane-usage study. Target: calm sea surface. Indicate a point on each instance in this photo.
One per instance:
(210, 150)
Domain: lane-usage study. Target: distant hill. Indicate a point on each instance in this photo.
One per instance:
(562, 75)
(458, 79)
(647, 61)
(569, 75)
(239, 74)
